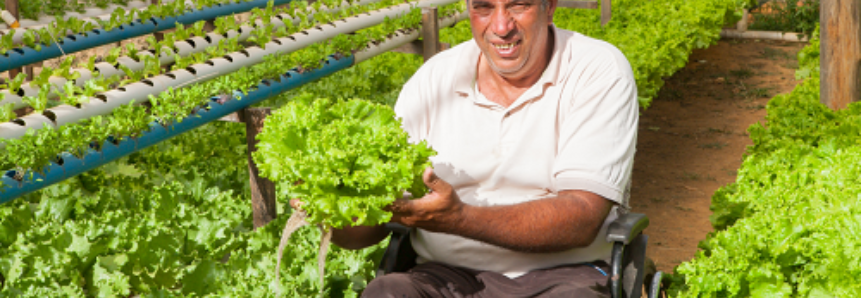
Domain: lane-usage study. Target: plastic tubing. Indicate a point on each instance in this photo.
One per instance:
(72, 165)
(19, 57)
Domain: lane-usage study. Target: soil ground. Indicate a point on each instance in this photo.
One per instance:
(693, 137)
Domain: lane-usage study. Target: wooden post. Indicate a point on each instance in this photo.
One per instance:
(840, 52)
(606, 12)
(430, 32)
(262, 189)
(159, 36)
(12, 7)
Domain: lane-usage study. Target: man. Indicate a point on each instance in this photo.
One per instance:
(535, 129)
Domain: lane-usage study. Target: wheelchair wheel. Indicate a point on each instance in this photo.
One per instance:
(652, 281)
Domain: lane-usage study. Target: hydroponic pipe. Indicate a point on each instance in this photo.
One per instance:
(92, 12)
(70, 165)
(140, 91)
(181, 48)
(73, 43)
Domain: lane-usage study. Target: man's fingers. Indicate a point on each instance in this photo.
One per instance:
(296, 204)
(398, 206)
(434, 182)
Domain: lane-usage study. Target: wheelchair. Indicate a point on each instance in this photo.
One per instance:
(631, 272)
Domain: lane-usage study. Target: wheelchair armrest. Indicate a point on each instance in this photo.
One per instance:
(399, 255)
(626, 227)
(397, 228)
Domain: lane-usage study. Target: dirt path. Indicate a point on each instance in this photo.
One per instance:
(693, 137)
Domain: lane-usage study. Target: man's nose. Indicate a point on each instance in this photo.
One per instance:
(501, 22)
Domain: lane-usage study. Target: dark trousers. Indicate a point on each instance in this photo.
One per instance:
(440, 280)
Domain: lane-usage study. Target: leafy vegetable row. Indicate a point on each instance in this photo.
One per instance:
(38, 148)
(62, 26)
(656, 36)
(789, 226)
(206, 187)
(74, 93)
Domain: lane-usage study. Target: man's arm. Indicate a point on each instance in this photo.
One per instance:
(357, 237)
(572, 219)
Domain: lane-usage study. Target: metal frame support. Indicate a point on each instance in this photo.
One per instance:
(840, 52)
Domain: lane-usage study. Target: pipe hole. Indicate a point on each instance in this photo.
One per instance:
(244, 52)
(171, 75)
(59, 160)
(95, 146)
(207, 39)
(277, 41)
(123, 89)
(191, 70)
(228, 58)
(72, 37)
(291, 38)
(148, 82)
(20, 92)
(50, 115)
(209, 62)
(304, 32)
(18, 176)
(18, 50)
(19, 121)
(102, 97)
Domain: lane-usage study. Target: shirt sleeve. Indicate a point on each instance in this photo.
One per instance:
(412, 108)
(598, 135)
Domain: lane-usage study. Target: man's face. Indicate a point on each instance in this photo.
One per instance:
(512, 34)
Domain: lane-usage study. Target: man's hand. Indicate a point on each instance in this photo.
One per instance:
(357, 237)
(438, 211)
(571, 219)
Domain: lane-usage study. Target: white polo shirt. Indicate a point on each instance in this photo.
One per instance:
(576, 128)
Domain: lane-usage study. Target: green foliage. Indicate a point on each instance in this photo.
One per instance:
(787, 16)
(346, 160)
(656, 36)
(788, 226)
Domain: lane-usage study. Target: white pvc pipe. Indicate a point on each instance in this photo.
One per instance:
(768, 35)
(140, 91)
(402, 38)
(183, 49)
(90, 15)
(91, 12)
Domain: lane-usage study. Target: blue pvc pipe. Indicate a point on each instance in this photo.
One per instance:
(22, 56)
(72, 165)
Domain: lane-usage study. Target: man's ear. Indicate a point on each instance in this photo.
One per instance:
(551, 8)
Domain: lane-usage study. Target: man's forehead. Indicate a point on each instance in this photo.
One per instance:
(500, 1)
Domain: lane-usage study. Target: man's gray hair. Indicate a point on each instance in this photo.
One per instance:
(544, 3)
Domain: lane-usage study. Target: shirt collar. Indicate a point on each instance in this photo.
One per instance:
(464, 81)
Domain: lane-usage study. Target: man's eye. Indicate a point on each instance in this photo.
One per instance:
(519, 7)
(482, 9)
